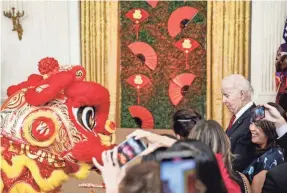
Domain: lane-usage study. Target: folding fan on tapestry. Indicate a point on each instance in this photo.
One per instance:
(137, 16)
(145, 53)
(152, 3)
(186, 45)
(142, 117)
(179, 19)
(179, 86)
(138, 81)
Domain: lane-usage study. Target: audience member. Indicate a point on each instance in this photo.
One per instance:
(269, 155)
(141, 178)
(276, 178)
(214, 173)
(183, 121)
(211, 133)
(207, 168)
(281, 68)
(237, 93)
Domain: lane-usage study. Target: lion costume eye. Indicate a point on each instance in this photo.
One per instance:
(85, 116)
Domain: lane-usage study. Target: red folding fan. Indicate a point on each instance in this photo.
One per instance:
(142, 116)
(152, 3)
(179, 19)
(137, 16)
(145, 53)
(179, 87)
(186, 45)
(138, 81)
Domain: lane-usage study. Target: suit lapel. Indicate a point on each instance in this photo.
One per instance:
(240, 120)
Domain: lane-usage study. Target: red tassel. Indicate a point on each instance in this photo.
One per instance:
(186, 64)
(137, 30)
(138, 95)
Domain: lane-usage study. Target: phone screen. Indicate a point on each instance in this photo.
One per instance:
(178, 175)
(259, 113)
(129, 149)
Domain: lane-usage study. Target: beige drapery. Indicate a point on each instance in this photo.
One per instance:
(99, 42)
(228, 50)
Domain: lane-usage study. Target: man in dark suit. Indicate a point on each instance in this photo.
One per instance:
(237, 93)
(276, 178)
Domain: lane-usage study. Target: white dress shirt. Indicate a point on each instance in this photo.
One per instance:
(281, 130)
(242, 110)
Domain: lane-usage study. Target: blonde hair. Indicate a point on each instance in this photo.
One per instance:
(211, 133)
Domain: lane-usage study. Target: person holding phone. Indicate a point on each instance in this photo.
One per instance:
(237, 91)
(276, 178)
(268, 152)
(142, 177)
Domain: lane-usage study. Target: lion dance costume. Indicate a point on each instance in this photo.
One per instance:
(52, 125)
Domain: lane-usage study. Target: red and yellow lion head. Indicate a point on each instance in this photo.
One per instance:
(52, 125)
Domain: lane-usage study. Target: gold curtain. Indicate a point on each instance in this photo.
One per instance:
(228, 49)
(99, 42)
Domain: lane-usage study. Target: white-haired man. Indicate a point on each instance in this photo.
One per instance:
(237, 92)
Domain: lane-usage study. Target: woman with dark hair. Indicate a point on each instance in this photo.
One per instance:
(183, 121)
(269, 154)
(211, 133)
(207, 169)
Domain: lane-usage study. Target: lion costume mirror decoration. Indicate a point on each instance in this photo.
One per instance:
(51, 127)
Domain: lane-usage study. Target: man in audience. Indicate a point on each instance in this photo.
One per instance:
(276, 178)
(183, 121)
(237, 93)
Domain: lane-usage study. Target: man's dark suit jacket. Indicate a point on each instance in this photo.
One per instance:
(240, 138)
(276, 178)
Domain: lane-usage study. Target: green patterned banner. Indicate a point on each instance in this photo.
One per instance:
(163, 60)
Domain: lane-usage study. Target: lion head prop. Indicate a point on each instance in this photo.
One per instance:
(52, 125)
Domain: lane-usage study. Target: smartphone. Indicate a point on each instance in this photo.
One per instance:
(259, 113)
(178, 173)
(129, 149)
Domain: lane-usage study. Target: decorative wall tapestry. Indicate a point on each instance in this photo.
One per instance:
(163, 60)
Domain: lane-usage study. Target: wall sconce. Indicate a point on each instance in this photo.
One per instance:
(14, 14)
